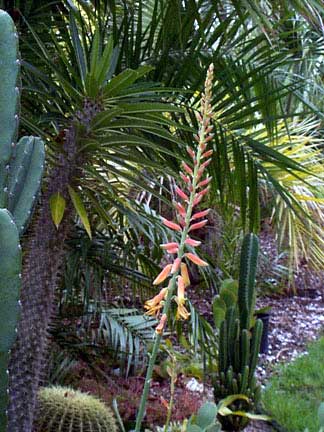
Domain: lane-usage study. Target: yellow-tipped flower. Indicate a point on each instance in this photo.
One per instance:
(185, 274)
(182, 312)
(154, 305)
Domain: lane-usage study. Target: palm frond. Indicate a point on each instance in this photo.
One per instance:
(127, 334)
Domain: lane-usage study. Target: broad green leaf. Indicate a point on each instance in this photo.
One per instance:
(193, 428)
(80, 209)
(124, 80)
(57, 206)
(206, 415)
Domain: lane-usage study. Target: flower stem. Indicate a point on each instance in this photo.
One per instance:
(203, 131)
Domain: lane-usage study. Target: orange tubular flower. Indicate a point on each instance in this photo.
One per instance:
(171, 225)
(204, 182)
(163, 275)
(172, 251)
(207, 154)
(175, 265)
(191, 242)
(191, 152)
(185, 178)
(187, 168)
(169, 245)
(179, 207)
(197, 200)
(198, 225)
(160, 327)
(200, 214)
(182, 312)
(196, 260)
(181, 194)
(181, 290)
(154, 305)
(185, 274)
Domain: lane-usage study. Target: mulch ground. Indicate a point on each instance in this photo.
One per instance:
(294, 322)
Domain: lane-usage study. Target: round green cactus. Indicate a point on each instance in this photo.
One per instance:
(62, 409)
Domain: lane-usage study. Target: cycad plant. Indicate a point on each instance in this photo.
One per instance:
(101, 145)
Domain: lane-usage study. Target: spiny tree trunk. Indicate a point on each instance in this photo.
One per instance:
(45, 251)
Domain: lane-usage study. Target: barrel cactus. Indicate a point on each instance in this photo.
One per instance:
(62, 409)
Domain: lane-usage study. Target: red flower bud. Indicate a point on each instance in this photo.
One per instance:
(181, 194)
(198, 225)
(200, 214)
(171, 225)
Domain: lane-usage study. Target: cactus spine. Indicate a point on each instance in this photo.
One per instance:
(239, 344)
(21, 168)
(62, 409)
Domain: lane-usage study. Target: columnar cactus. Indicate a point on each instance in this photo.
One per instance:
(62, 409)
(10, 284)
(9, 98)
(239, 340)
(21, 168)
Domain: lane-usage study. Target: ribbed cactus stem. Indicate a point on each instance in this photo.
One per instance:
(246, 289)
(62, 409)
(255, 346)
(10, 285)
(239, 344)
(26, 172)
(9, 98)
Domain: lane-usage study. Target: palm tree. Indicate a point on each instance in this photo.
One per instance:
(106, 129)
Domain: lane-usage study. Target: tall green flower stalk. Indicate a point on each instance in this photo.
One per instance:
(195, 186)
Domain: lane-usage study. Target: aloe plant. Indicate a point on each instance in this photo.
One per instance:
(21, 168)
(196, 186)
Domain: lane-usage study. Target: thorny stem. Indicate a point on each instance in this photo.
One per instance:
(204, 121)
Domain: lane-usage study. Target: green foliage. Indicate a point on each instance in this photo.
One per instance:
(239, 342)
(127, 334)
(293, 395)
(205, 420)
(62, 409)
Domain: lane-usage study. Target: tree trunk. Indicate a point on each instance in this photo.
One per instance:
(44, 256)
